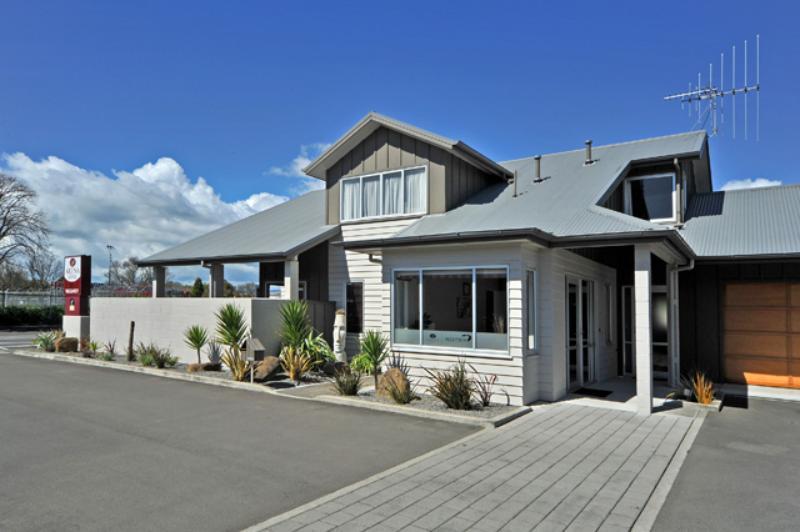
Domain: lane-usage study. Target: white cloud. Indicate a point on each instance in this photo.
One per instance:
(739, 184)
(139, 212)
(308, 152)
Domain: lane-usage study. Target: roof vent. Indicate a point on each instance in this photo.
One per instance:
(589, 159)
(537, 176)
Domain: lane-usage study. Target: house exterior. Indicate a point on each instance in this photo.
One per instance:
(552, 272)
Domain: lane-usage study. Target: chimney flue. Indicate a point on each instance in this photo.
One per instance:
(538, 165)
(589, 159)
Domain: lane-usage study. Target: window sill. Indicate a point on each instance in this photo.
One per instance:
(374, 219)
(470, 353)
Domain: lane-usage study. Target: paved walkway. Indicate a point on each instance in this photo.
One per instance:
(562, 467)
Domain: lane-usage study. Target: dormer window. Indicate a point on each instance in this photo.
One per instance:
(651, 197)
(395, 193)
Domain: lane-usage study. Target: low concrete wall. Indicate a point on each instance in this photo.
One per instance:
(163, 320)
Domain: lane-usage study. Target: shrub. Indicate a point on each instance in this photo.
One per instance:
(108, 357)
(703, 388)
(347, 382)
(396, 360)
(46, 341)
(453, 387)
(151, 355)
(318, 349)
(295, 363)
(401, 394)
(295, 327)
(196, 337)
(20, 315)
(373, 353)
(484, 386)
(214, 352)
(92, 347)
(111, 348)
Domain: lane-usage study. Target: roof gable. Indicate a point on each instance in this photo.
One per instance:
(370, 123)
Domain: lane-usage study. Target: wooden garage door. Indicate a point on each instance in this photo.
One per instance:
(761, 329)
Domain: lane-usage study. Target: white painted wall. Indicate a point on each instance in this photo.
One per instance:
(163, 320)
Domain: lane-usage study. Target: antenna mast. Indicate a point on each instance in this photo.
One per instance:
(709, 99)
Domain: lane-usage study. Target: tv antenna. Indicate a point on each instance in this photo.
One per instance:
(707, 101)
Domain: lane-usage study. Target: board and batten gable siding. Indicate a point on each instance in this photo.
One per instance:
(350, 266)
(509, 368)
(554, 267)
(450, 180)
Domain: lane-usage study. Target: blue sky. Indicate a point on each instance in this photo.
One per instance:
(232, 91)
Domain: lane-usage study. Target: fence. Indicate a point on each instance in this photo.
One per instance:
(26, 298)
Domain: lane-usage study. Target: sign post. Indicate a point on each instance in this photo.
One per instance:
(77, 290)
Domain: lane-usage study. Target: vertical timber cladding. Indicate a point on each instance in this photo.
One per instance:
(450, 180)
(761, 333)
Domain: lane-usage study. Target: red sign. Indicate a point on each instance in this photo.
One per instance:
(77, 285)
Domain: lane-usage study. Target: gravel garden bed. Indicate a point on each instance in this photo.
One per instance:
(432, 404)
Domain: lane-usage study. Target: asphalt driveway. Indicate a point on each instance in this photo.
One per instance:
(743, 472)
(85, 448)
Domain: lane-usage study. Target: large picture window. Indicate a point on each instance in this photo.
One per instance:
(465, 308)
(393, 193)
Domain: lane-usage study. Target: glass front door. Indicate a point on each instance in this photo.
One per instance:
(579, 332)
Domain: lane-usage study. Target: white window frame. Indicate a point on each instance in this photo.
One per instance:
(629, 206)
(532, 298)
(433, 349)
(302, 289)
(360, 179)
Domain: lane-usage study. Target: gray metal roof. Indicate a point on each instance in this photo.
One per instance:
(759, 222)
(373, 121)
(281, 231)
(565, 204)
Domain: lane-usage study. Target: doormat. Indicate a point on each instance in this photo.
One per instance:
(592, 392)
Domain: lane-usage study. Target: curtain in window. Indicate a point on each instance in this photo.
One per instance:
(350, 195)
(415, 190)
(370, 196)
(392, 193)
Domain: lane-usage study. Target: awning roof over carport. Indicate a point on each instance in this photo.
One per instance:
(280, 232)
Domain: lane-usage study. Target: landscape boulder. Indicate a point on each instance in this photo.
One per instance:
(393, 378)
(67, 344)
(331, 368)
(263, 369)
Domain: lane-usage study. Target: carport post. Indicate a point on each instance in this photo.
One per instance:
(291, 278)
(643, 324)
(159, 281)
(216, 280)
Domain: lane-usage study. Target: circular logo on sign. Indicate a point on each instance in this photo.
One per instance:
(72, 269)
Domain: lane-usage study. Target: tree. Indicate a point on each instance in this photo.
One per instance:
(128, 274)
(197, 288)
(374, 349)
(43, 267)
(22, 226)
(12, 276)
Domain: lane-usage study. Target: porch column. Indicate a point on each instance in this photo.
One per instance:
(159, 281)
(216, 280)
(291, 278)
(643, 323)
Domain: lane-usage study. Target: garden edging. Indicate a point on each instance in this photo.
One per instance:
(494, 422)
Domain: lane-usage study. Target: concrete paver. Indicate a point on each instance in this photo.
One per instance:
(562, 467)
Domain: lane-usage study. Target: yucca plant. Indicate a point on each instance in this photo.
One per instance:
(703, 388)
(232, 332)
(196, 337)
(214, 352)
(45, 341)
(296, 363)
(373, 352)
(111, 348)
(92, 347)
(295, 327)
(317, 348)
(453, 387)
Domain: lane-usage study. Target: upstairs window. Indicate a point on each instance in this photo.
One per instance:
(651, 197)
(396, 193)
